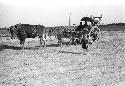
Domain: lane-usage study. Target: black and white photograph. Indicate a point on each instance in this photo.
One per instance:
(62, 43)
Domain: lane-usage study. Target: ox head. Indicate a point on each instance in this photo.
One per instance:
(11, 30)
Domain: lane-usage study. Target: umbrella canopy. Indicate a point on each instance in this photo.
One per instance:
(87, 19)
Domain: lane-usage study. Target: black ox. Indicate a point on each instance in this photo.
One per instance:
(23, 31)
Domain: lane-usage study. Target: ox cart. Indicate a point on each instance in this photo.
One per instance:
(91, 31)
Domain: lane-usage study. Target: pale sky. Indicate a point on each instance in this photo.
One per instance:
(56, 12)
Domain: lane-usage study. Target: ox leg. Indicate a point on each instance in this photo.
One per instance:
(71, 39)
(22, 43)
(22, 46)
(45, 36)
(55, 36)
(42, 42)
(75, 42)
(60, 42)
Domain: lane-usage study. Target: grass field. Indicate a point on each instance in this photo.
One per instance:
(104, 64)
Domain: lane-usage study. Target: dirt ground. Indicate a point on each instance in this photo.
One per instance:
(103, 65)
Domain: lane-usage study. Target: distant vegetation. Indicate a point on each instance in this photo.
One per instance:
(116, 24)
(113, 27)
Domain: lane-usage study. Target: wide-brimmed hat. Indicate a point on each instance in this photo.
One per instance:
(87, 19)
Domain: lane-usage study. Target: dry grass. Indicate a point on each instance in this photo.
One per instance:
(104, 64)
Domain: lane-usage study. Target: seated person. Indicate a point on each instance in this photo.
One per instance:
(81, 27)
